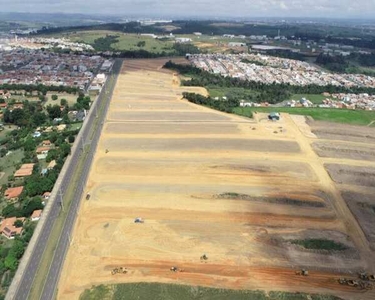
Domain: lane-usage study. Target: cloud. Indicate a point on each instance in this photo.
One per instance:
(202, 8)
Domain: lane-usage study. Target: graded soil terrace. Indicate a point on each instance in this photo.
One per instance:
(238, 190)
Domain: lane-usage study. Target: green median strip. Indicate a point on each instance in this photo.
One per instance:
(41, 275)
(46, 261)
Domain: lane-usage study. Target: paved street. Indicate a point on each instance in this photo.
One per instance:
(59, 256)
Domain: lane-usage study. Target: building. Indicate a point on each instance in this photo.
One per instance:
(51, 165)
(46, 143)
(8, 229)
(25, 170)
(94, 90)
(36, 215)
(13, 193)
(274, 116)
(36, 134)
(46, 195)
(182, 40)
(42, 150)
(236, 44)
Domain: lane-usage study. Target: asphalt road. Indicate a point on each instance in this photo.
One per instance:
(63, 244)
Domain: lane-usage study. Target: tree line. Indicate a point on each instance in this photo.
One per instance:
(39, 88)
(222, 105)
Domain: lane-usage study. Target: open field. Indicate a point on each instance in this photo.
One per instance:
(70, 98)
(354, 117)
(126, 41)
(251, 194)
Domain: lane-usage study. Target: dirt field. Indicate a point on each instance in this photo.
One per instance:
(363, 207)
(344, 174)
(332, 131)
(345, 150)
(239, 190)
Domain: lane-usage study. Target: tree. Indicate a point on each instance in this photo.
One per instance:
(53, 137)
(64, 149)
(34, 204)
(39, 118)
(18, 248)
(141, 44)
(54, 111)
(11, 211)
(18, 223)
(54, 97)
(71, 139)
(63, 102)
(11, 262)
(29, 144)
(19, 117)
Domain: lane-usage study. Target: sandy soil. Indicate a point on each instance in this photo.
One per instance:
(207, 182)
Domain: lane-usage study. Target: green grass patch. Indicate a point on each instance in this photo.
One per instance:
(102, 292)
(7, 164)
(6, 129)
(314, 98)
(75, 126)
(126, 42)
(158, 291)
(320, 244)
(354, 117)
(232, 92)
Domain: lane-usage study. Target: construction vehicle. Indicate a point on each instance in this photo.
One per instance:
(204, 257)
(138, 220)
(120, 270)
(174, 269)
(302, 272)
(367, 277)
(349, 282)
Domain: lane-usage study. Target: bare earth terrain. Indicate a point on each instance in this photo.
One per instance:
(236, 189)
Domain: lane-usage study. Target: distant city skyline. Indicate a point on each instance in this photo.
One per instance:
(200, 8)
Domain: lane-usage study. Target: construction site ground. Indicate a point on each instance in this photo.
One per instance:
(238, 190)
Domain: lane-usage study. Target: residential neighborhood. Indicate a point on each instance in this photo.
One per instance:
(33, 67)
(270, 69)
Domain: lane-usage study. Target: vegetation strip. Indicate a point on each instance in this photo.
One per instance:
(43, 271)
(137, 291)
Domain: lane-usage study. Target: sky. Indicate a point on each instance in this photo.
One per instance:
(199, 8)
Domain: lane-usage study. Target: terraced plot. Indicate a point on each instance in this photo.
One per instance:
(247, 193)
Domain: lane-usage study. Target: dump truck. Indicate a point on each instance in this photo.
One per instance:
(367, 277)
(302, 272)
(204, 257)
(138, 220)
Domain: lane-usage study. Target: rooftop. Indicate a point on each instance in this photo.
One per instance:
(14, 192)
